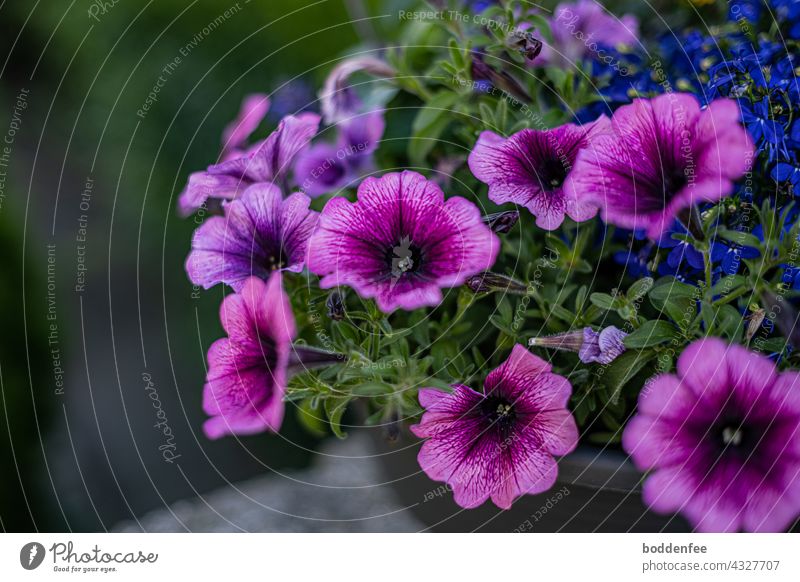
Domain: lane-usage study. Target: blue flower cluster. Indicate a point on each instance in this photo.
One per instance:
(760, 71)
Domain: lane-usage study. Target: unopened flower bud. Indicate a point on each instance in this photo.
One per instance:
(335, 306)
(602, 347)
(501, 222)
(392, 428)
(527, 44)
(488, 282)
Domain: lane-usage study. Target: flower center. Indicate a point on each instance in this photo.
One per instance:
(275, 261)
(498, 412)
(734, 436)
(404, 258)
(552, 174)
(674, 183)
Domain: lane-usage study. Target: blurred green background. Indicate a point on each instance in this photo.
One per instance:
(83, 162)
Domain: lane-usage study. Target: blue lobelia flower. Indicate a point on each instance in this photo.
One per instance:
(784, 172)
(730, 254)
(788, 14)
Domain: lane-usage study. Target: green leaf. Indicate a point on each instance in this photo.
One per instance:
(740, 237)
(605, 301)
(728, 285)
(625, 367)
(439, 105)
(371, 388)
(335, 409)
(423, 141)
(729, 322)
(675, 299)
(396, 335)
(501, 325)
(310, 419)
(639, 289)
(580, 298)
(563, 314)
(651, 333)
(504, 308)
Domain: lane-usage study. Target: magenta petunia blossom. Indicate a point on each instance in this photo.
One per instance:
(586, 29)
(722, 438)
(260, 233)
(248, 370)
(532, 168)
(265, 162)
(662, 156)
(498, 444)
(401, 242)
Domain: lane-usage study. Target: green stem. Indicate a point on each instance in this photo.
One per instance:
(375, 343)
(709, 278)
(732, 296)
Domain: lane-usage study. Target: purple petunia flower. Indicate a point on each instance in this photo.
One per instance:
(592, 346)
(722, 438)
(253, 110)
(401, 242)
(325, 168)
(498, 444)
(264, 162)
(248, 370)
(585, 28)
(662, 156)
(532, 168)
(260, 233)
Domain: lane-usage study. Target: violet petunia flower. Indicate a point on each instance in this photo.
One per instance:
(401, 242)
(498, 444)
(601, 347)
(260, 233)
(662, 156)
(248, 370)
(722, 439)
(586, 29)
(532, 168)
(265, 162)
(324, 167)
(253, 110)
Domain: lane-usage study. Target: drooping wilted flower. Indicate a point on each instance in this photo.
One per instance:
(660, 157)
(260, 233)
(401, 242)
(532, 168)
(722, 440)
(601, 347)
(248, 370)
(264, 162)
(498, 444)
(338, 100)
